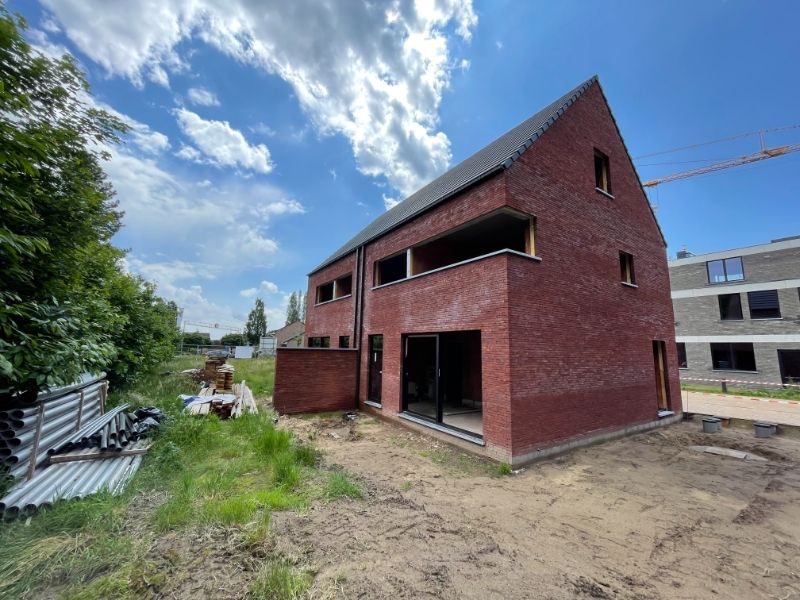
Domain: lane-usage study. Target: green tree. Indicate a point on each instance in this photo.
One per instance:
(302, 300)
(66, 306)
(233, 339)
(195, 338)
(256, 326)
(293, 310)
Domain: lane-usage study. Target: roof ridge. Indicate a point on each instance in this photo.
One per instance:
(498, 154)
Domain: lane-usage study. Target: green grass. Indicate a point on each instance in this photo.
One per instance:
(214, 473)
(779, 393)
(339, 485)
(279, 580)
(504, 469)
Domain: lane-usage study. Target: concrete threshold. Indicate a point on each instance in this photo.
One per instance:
(443, 428)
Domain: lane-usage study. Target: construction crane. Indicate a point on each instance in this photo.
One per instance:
(762, 154)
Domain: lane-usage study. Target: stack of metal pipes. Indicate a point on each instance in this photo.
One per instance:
(30, 433)
(111, 431)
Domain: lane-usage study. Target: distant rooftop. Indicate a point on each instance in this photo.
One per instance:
(684, 257)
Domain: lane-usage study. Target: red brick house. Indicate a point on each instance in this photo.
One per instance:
(520, 301)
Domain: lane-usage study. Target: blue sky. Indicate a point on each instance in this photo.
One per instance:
(265, 134)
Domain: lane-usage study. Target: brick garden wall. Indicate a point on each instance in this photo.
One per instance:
(314, 380)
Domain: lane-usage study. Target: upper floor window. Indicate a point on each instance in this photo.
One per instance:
(344, 341)
(764, 304)
(602, 175)
(626, 268)
(725, 269)
(325, 292)
(730, 307)
(391, 269)
(338, 288)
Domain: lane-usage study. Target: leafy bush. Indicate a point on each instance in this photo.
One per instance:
(66, 304)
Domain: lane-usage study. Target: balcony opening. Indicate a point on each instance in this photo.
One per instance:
(503, 230)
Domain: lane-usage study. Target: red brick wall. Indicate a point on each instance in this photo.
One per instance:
(314, 380)
(468, 297)
(333, 318)
(581, 342)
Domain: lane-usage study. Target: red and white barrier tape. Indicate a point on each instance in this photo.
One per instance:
(740, 381)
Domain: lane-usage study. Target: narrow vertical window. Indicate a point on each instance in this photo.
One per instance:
(683, 363)
(626, 268)
(602, 176)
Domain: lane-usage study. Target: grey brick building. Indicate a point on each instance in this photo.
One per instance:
(737, 312)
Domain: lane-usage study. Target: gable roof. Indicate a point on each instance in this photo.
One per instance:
(498, 155)
(290, 331)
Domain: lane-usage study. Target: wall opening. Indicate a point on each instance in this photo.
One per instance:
(343, 286)
(499, 231)
(391, 269)
(442, 379)
(325, 292)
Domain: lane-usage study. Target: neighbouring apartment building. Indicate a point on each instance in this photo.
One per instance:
(737, 312)
(519, 302)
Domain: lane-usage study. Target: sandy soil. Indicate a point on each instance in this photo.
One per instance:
(644, 517)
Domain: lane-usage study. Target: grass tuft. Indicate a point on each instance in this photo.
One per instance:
(504, 469)
(279, 580)
(340, 486)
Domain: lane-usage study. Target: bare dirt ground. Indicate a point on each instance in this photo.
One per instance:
(644, 517)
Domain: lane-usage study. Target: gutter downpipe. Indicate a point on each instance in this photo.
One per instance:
(358, 321)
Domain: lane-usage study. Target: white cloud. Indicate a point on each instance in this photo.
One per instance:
(389, 202)
(263, 129)
(221, 144)
(202, 97)
(266, 287)
(225, 225)
(372, 72)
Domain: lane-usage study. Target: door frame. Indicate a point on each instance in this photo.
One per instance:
(370, 350)
(437, 387)
(662, 374)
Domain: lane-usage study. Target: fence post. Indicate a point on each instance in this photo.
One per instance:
(724, 386)
(36, 438)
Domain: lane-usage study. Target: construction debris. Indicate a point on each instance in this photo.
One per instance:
(225, 405)
(224, 379)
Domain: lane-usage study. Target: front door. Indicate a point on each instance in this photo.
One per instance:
(442, 379)
(375, 372)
